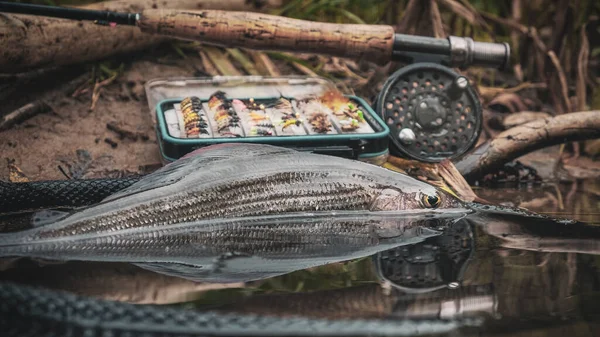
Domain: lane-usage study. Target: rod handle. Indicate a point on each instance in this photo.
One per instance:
(269, 32)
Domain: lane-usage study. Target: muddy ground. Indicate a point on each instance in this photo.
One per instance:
(39, 145)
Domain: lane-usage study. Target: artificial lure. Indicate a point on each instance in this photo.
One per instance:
(349, 125)
(290, 122)
(261, 132)
(267, 125)
(257, 116)
(320, 122)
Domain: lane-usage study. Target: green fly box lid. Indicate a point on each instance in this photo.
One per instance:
(303, 113)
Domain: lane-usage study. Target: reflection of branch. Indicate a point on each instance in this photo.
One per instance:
(541, 235)
(520, 140)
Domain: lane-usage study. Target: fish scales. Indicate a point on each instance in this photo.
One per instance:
(276, 240)
(282, 192)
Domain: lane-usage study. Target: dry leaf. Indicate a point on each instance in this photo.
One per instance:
(209, 67)
(264, 64)
(456, 181)
(15, 173)
(221, 62)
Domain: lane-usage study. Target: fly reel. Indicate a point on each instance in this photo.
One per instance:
(436, 263)
(433, 113)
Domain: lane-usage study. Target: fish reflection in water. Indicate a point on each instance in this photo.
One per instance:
(467, 273)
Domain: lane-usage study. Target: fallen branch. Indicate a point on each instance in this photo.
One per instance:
(125, 133)
(31, 41)
(520, 140)
(40, 105)
(25, 112)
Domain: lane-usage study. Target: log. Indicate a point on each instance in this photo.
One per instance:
(520, 140)
(30, 42)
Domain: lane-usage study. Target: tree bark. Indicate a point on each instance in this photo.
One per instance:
(520, 140)
(30, 42)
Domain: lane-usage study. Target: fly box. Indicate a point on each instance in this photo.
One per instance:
(307, 114)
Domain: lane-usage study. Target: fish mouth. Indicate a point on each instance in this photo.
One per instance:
(421, 222)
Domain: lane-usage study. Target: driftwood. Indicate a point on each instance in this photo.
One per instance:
(515, 142)
(30, 42)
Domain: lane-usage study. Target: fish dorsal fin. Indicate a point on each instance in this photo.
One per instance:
(197, 160)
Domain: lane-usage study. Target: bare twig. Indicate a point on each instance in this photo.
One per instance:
(562, 80)
(520, 140)
(488, 93)
(562, 102)
(582, 69)
(98, 89)
(408, 22)
(125, 133)
(27, 111)
(436, 20)
(40, 105)
(468, 13)
(514, 36)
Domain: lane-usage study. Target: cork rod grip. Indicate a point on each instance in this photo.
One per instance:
(269, 32)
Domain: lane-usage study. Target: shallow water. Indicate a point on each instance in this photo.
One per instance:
(467, 277)
(508, 292)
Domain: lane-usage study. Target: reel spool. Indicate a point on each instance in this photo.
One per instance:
(436, 263)
(433, 113)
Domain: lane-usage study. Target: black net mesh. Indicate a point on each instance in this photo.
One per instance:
(29, 311)
(15, 197)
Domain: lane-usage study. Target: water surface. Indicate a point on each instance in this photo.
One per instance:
(464, 282)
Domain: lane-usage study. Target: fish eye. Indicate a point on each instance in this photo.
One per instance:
(431, 200)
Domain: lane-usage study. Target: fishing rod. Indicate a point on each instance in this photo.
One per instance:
(376, 43)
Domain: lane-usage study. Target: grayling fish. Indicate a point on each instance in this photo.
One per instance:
(230, 213)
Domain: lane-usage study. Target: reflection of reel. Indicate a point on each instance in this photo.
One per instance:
(436, 263)
(433, 113)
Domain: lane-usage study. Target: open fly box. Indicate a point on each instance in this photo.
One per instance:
(306, 114)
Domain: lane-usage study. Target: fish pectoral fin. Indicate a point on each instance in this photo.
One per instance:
(46, 217)
(220, 262)
(196, 273)
(215, 268)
